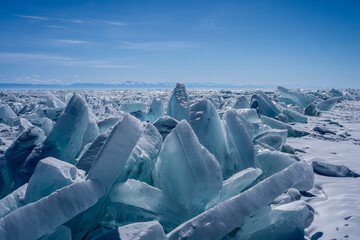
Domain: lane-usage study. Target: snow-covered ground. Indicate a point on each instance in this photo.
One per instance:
(336, 200)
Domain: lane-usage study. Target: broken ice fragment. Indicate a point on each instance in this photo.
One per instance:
(155, 111)
(51, 174)
(165, 125)
(186, 171)
(286, 221)
(332, 170)
(218, 221)
(178, 104)
(327, 105)
(44, 216)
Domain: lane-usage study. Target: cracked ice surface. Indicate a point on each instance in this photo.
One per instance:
(192, 164)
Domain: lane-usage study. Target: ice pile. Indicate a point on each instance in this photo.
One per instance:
(214, 167)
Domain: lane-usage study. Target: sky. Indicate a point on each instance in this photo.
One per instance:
(295, 42)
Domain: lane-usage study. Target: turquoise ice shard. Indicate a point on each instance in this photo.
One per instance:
(7, 115)
(88, 157)
(178, 104)
(249, 114)
(155, 111)
(273, 162)
(106, 167)
(208, 127)
(12, 201)
(136, 231)
(218, 221)
(294, 116)
(46, 125)
(327, 104)
(240, 141)
(273, 123)
(241, 102)
(65, 140)
(186, 171)
(298, 97)
(264, 105)
(141, 161)
(16, 154)
(165, 125)
(60, 233)
(51, 174)
(38, 218)
(311, 110)
(107, 123)
(53, 102)
(286, 221)
(238, 182)
(138, 110)
(134, 200)
(335, 92)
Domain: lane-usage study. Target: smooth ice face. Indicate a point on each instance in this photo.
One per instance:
(327, 104)
(186, 171)
(264, 105)
(271, 162)
(138, 110)
(299, 98)
(286, 221)
(141, 161)
(165, 125)
(142, 231)
(12, 201)
(51, 174)
(249, 114)
(34, 220)
(238, 182)
(155, 111)
(208, 127)
(294, 116)
(241, 102)
(178, 104)
(86, 160)
(273, 123)
(134, 200)
(106, 168)
(218, 221)
(65, 140)
(61, 233)
(7, 115)
(53, 102)
(16, 154)
(239, 140)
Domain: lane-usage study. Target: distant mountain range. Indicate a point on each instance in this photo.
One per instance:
(139, 85)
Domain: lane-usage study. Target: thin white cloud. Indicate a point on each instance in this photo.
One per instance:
(115, 63)
(158, 46)
(33, 17)
(115, 23)
(23, 57)
(69, 41)
(31, 79)
(113, 66)
(53, 26)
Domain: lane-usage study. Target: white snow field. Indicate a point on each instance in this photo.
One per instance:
(180, 164)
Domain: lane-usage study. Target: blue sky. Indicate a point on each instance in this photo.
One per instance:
(295, 42)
